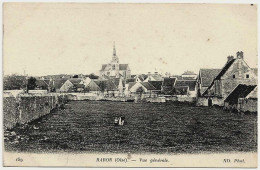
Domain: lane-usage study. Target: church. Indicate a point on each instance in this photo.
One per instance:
(114, 69)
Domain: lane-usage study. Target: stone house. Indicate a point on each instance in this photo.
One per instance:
(235, 71)
(205, 78)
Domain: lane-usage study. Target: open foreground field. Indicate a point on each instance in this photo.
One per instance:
(88, 126)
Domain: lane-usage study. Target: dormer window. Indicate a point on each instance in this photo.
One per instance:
(247, 76)
(234, 76)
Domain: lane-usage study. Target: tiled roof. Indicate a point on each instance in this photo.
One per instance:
(42, 83)
(106, 84)
(75, 81)
(190, 83)
(241, 91)
(131, 84)
(224, 69)
(156, 84)
(129, 80)
(148, 86)
(208, 75)
(59, 82)
(169, 81)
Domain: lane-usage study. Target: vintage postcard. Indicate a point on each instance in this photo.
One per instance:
(130, 85)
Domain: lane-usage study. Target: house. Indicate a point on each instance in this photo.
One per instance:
(235, 71)
(42, 84)
(242, 99)
(141, 88)
(168, 85)
(102, 86)
(57, 84)
(120, 84)
(115, 69)
(140, 77)
(192, 90)
(72, 85)
(189, 74)
(205, 78)
(153, 77)
(157, 85)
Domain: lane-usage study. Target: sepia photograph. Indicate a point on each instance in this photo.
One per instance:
(130, 85)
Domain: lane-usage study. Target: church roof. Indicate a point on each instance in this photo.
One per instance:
(121, 67)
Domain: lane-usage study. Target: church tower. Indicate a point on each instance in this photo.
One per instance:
(115, 59)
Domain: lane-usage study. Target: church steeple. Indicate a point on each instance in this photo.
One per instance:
(115, 59)
(114, 50)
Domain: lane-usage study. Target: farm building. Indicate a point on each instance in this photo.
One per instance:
(236, 71)
(168, 85)
(192, 90)
(205, 78)
(242, 99)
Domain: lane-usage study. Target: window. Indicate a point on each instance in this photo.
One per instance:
(247, 76)
(234, 76)
(113, 67)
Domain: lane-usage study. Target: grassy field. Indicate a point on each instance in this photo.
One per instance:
(150, 127)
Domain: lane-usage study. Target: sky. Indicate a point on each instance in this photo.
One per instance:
(77, 38)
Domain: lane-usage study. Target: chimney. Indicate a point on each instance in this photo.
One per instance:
(156, 73)
(240, 54)
(229, 58)
(149, 73)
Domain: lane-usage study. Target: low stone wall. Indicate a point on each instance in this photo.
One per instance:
(186, 99)
(244, 105)
(247, 105)
(156, 99)
(26, 108)
(203, 101)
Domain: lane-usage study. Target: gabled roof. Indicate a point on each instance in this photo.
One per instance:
(169, 81)
(181, 90)
(190, 83)
(224, 69)
(123, 66)
(106, 84)
(103, 67)
(147, 85)
(156, 77)
(156, 84)
(129, 80)
(131, 84)
(75, 81)
(59, 82)
(42, 83)
(241, 91)
(208, 75)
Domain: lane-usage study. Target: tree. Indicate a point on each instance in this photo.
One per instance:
(14, 82)
(93, 76)
(31, 83)
(75, 76)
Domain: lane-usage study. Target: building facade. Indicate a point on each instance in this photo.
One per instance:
(114, 69)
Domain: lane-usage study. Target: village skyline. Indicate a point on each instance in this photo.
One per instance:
(79, 38)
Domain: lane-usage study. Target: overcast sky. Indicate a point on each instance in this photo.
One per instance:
(45, 39)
